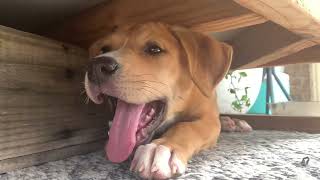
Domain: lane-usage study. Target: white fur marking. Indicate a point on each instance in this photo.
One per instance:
(156, 161)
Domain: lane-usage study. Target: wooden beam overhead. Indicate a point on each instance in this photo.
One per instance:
(299, 16)
(229, 23)
(200, 15)
(265, 44)
(308, 55)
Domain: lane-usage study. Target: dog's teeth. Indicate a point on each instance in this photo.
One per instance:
(143, 132)
(138, 137)
(151, 112)
(154, 169)
(141, 168)
(148, 117)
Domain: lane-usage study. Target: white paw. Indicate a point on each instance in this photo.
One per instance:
(243, 126)
(227, 124)
(153, 161)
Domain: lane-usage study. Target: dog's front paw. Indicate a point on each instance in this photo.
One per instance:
(154, 161)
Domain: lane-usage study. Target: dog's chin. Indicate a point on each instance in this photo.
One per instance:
(133, 123)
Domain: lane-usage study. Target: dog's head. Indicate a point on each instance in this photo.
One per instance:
(146, 67)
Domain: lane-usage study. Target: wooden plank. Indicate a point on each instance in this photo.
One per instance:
(308, 55)
(49, 131)
(229, 23)
(41, 106)
(9, 99)
(285, 123)
(201, 15)
(299, 16)
(52, 155)
(42, 113)
(41, 145)
(311, 108)
(264, 44)
(9, 126)
(18, 47)
(38, 78)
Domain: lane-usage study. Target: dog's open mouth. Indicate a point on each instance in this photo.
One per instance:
(132, 125)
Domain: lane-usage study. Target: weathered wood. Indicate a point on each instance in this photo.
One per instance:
(24, 114)
(38, 78)
(25, 48)
(299, 16)
(9, 99)
(49, 143)
(229, 23)
(57, 112)
(202, 15)
(264, 44)
(310, 108)
(308, 55)
(9, 126)
(52, 155)
(42, 110)
(288, 123)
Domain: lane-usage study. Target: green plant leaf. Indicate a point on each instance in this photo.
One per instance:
(243, 74)
(248, 103)
(232, 91)
(236, 105)
(246, 90)
(244, 98)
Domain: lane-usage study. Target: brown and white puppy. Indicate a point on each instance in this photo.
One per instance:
(163, 78)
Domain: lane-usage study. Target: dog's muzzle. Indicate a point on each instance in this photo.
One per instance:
(101, 68)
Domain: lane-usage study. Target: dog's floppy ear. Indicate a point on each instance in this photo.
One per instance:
(208, 59)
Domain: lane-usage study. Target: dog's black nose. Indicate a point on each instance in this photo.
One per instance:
(101, 68)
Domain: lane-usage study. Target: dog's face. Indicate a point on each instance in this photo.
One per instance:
(147, 68)
(138, 65)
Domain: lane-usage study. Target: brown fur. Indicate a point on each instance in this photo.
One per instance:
(186, 75)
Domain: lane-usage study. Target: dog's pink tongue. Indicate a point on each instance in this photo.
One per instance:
(122, 135)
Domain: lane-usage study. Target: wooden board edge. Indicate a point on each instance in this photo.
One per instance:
(278, 54)
(282, 123)
(47, 156)
(229, 23)
(300, 17)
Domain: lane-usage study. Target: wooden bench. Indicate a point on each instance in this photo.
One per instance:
(42, 113)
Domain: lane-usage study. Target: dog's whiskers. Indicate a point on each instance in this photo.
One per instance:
(87, 100)
(136, 75)
(150, 92)
(153, 89)
(145, 85)
(83, 91)
(143, 82)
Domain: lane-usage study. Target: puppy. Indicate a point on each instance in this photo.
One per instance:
(163, 78)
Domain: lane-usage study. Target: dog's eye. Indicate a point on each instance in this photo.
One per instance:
(105, 49)
(152, 49)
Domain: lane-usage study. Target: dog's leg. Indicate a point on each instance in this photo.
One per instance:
(168, 155)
